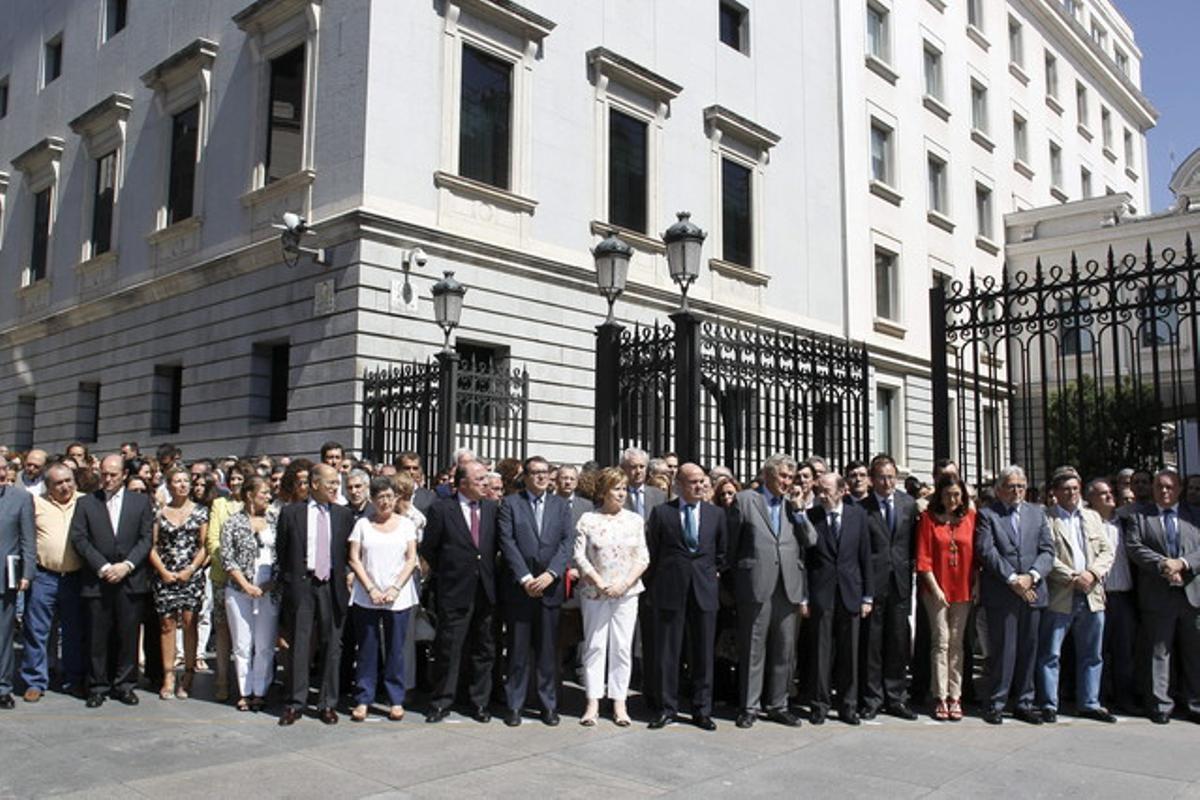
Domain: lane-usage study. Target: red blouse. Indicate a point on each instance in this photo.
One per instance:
(948, 551)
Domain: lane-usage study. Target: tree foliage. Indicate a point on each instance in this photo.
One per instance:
(1098, 431)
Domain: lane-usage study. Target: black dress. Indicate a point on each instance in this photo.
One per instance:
(177, 546)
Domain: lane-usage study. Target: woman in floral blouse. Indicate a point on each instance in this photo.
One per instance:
(611, 555)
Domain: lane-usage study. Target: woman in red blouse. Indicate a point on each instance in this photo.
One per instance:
(946, 568)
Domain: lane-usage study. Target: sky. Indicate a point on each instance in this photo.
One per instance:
(1165, 32)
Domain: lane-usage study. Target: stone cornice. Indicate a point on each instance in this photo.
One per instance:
(176, 68)
(510, 16)
(739, 127)
(630, 73)
(37, 157)
(262, 15)
(103, 115)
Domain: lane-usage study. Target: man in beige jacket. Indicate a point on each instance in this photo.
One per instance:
(1082, 557)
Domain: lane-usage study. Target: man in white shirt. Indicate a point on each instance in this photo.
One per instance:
(1120, 608)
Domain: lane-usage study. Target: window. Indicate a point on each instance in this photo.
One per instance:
(933, 72)
(1020, 139)
(1106, 129)
(103, 198)
(1122, 60)
(886, 420)
(285, 114)
(1051, 76)
(1081, 104)
(1073, 7)
(1016, 43)
(979, 109)
(1085, 182)
(881, 152)
(167, 399)
(114, 17)
(485, 122)
(41, 235)
(182, 182)
(1159, 316)
(1076, 326)
(885, 284)
(975, 13)
(983, 211)
(990, 435)
(269, 381)
(25, 414)
(1129, 160)
(628, 171)
(87, 413)
(1055, 166)
(938, 200)
(736, 210)
(52, 57)
(4, 97)
(878, 34)
(1099, 35)
(734, 26)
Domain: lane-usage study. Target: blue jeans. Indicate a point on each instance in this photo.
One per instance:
(52, 595)
(1087, 627)
(367, 622)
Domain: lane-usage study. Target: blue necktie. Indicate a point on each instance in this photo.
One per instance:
(1015, 519)
(638, 504)
(689, 528)
(537, 514)
(775, 505)
(890, 515)
(834, 528)
(1172, 530)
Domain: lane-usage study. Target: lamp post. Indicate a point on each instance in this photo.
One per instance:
(447, 304)
(684, 240)
(447, 310)
(612, 269)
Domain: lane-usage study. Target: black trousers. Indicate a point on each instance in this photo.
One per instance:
(884, 650)
(1120, 650)
(835, 640)
(151, 626)
(701, 629)
(114, 614)
(464, 632)
(316, 626)
(533, 631)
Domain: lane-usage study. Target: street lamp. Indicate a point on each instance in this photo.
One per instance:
(612, 268)
(684, 240)
(447, 304)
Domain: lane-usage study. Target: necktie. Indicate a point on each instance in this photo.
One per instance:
(475, 522)
(775, 521)
(321, 561)
(1172, 529)
(1015, 519)
(833, 526)
(538, 506)
(638, 504)
(689, 528)
(890, 515)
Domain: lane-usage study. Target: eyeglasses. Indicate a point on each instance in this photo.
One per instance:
(537, 472)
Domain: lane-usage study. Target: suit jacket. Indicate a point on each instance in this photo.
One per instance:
(675, 571)
(1001, 553)
(93, 538)
(423, 498)
(291, 552)
(839, 568)
(579, 507)
(759, 560)
(1099, 559)
(456, 565)
(893, 554)
(526, 552)
(1146, 546)
(18, 537)
(653, 498)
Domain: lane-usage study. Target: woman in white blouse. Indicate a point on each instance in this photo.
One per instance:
(611, 555)
(383, 555)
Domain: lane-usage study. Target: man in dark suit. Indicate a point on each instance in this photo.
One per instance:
(565, 483)
(1162, 539)
(686, 538)
(643, 499)
(1015, 551)
(18, 543)
(536, 540)
(423, 497)
(770, 585)
(460, 547)
(311, 550)
(115, 579)
(886, 640)
(840, 587)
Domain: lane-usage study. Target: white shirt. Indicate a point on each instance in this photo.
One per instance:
(1074, 522)
(114, 504)
(464, 505)
(37, 488)
(1119, 578)
(310, 558)
(683, 516)
(382, 555)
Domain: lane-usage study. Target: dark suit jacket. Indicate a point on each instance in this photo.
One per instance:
(423, 498)
(579, 507)
(840, 568)
(18, 537)
(291, 552)
(1000, 553)
(674, 570)
(1146, 544)
(93, 538)
(525, 552)
(652, 498)
(893, 554)
(456, 565)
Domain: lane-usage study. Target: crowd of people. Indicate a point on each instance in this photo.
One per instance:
(806, 589)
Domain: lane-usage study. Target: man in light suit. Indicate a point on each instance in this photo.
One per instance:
(770, 586)
(686, 538)
(644, 499)
(1083, 557)
(112, 531)
(840, 594)
(536, 540)
(565, 483)
(311, 551)
(1015, 553)
(18, 544)
(1163, 541)
(886, 640)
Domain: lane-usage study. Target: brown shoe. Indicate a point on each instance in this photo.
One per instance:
(289, 716)
(33, 695)
(328, 716)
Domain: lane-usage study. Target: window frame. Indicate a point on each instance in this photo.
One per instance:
(40, 166)
(985, 214)
(732, 136)
(102, 129)
(111, 11)
(743, 25)
(942, 192)
(53, 53)
(892, 290)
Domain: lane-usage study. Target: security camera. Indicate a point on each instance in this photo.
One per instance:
(417, 257)
(292, 231)
(294, 223)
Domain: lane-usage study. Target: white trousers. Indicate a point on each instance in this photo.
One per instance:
(608, 626)
(253, 623)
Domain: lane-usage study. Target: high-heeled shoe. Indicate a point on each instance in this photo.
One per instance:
(941, 712)
(184, 690)
(167, 691)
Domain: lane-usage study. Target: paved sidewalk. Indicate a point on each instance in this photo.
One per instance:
(196, 748)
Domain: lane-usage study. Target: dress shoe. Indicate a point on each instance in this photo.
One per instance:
(95, 700)
(328, 716)
(550, 718)
(746, 719)
(704, 722)
(993, 716)
(783, 717)
(1049, 715)
(1028, 715)
(1193, 716)
(33, 695)
(662, 721)
(289, 716)
(868, 713)
(900, 711)
(78, 691)
(849, 716)
(436, 714)
(1101, 714)
(6, 702)
(129, 698)
(481, 714)
(1160, 717)
(817, 716)
(512, 717)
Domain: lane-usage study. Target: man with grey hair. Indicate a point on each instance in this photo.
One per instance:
(565, 483)
(771, 590)
(358, 498)
(1015, 551)
(1120, 604)
(32, 479)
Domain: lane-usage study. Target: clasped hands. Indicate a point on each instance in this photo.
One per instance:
(384, 598)
(536, 587)
(115, 573)
(1084, 581)
(1172, 569)
(1023, 588)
